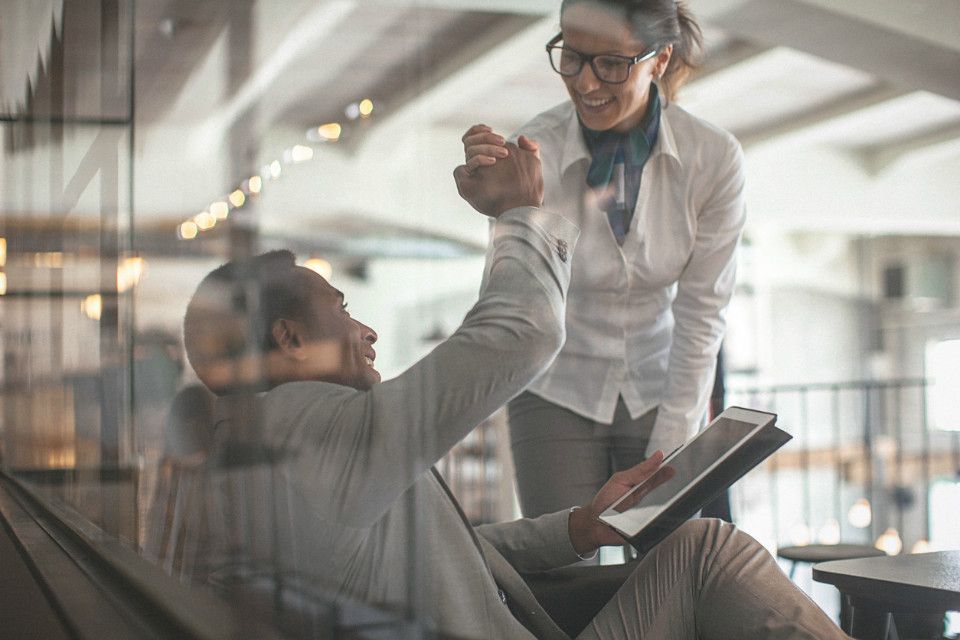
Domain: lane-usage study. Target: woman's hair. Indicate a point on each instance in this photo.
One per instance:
(659, 23)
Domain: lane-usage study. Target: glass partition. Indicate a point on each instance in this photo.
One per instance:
(145, 143)
(70, 264)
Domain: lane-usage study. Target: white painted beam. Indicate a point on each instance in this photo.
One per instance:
(482, 72)
(894, 56)
(534, 7)
(933, 21)
(703, 9)
(940, 140)
(730, 54)
(795, 124)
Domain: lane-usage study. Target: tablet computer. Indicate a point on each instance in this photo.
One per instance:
(732, 444)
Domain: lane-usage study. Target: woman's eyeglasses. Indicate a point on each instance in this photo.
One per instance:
(609, 68)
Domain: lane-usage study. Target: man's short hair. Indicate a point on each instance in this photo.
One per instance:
(229, 317)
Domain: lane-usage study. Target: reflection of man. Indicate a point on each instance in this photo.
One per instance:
(363, 510)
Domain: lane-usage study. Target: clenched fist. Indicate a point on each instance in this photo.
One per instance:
(513, 181)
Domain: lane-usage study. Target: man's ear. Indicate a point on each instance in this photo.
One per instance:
(288, 334)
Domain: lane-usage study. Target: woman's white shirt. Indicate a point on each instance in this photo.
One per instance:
(645, 320)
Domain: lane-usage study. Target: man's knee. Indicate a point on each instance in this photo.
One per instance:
(704, 528)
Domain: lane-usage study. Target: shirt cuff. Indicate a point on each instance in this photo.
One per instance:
(589, 556)
(553, 225)
(558, 530)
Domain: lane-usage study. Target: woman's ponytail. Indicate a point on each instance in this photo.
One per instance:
(687, 53)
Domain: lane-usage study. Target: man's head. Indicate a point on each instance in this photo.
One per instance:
(263, 321)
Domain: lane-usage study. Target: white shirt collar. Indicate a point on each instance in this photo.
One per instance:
(575, 148)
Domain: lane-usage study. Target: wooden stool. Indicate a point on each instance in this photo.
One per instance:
(814, 553)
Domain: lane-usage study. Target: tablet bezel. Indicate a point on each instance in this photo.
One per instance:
(759, 419)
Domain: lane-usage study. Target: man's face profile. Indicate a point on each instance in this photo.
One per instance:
(270, 322)
(332, 333)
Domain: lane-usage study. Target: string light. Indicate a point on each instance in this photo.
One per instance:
(3, 284)
(330, 132)
(889, 542)
(321, 266)
(3, 251)
(366, 107)
(130, 271)
(860, 514)
(253, 185)
(188, 230)
(205, 220)
(220, 210)
(48, 259)
(921, 546)
(237, 198)
(800, 534)
(92, 306)
(829, 533)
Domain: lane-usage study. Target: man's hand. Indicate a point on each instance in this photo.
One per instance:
(587, 532)
(516, 180)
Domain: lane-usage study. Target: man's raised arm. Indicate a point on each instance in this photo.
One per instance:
(371, 446)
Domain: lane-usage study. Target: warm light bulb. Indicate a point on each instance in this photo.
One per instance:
(921, 546)
(129, 272)
(188, 230)
(237, 198)
(3, 251)
(48, 259)
(330, 132)
(885, 447)
(255, 184)
(220, 209)
(889, 542)
(366, 107)
(860, 514)
(92, 306)
(800, 534)
(301, 153)
(321, 266)
(3, 284)
(829, 533)
(205, 220)
(275, 169)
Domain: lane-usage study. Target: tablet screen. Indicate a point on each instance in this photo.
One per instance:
(641, 504)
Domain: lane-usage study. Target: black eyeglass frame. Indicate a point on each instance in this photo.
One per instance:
(588, 59)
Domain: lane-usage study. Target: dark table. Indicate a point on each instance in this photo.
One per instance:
(906, 586)
(815, 553)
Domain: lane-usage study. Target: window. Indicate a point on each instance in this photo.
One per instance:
(942, 370)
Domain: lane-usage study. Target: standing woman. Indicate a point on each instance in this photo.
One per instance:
(658, 196)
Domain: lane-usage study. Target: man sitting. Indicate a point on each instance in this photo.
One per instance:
(356, 504)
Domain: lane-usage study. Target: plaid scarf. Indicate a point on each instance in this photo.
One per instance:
(616, 165)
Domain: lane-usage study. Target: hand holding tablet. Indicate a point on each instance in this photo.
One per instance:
(735, 442)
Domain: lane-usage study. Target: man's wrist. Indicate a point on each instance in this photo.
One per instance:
(510, 206)
(578, 525)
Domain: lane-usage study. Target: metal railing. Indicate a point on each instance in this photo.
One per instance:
(861, 464)
(862, 461)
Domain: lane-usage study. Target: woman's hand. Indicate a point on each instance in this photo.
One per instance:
(515, 181)
(482, 147)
